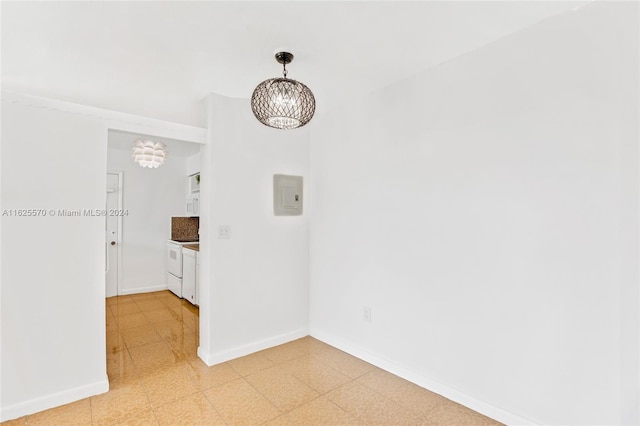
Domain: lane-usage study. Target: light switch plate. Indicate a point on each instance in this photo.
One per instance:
(224, 232)
(287, 195)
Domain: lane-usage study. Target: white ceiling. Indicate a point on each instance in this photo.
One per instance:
(176, 148)
(160, 59)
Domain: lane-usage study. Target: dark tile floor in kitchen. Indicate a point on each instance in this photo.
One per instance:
(156, 378)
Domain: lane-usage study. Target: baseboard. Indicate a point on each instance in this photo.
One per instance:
(53, 400)
(232, 353)
(143, 290)
(448, 392)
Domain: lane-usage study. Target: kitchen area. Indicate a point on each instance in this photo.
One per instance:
(182, 259)
(184, 246)
(155, 247)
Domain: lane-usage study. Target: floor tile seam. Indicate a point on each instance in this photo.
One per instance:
(217, 384)
(110, 310)
(409, 411)
(149, 324)
(128, 414)
(156, 328)
(141, 344)
(442, 401)
(336, 388)
(377, 392)
(151, 343)
(239, 373)
(124, 341)
(96, 422)
(273, 365)
(283, 415)
(325, 393)
(146, 376)
(291, 409)
(150, 310)
(173, 401)
(365, 385)
(213, 407)
(187, 325)
(155, 414)
(137, 370)
(91, 406)
(121, 305)
(305, 403)
(179, 354)
(193, 329)
(149, 295)
(168, 341)
(153, 310)
(191, 375)
(308, 386)
(140, 303)
(331, 367)
(286, 360)
(119, 317)
(127, 328)
(344, 374)
(190, 316)
(165, 300)
(427, 415)
(265, 397)
(115, 314)
(119, 298)
(345, 411)
(354, 415)
(216, 410)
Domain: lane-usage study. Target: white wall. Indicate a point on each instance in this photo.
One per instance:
(256, 288)
(193, 163)
(151, 197)
(486, 210)
(52, 317)
(52, 314)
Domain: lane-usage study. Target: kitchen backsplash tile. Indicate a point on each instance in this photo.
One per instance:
(185, 228)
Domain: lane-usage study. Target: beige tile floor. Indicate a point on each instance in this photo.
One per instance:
(156, 378)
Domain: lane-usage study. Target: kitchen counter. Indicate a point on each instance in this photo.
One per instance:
(195, 247)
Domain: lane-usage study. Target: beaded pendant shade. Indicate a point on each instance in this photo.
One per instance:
(148, 153)
(283, 103)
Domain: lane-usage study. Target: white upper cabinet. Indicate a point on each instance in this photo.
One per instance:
(194, 183)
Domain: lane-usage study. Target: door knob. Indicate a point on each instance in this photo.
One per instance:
(113, 243)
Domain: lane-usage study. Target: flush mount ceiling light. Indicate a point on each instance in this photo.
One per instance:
(150, 154)
(283, 103)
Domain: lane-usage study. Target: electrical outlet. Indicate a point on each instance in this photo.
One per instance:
(366, 313)
(224, 232)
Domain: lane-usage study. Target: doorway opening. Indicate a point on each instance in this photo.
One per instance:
(113, 230)
(148, 328)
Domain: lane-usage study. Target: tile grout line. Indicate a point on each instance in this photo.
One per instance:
(179, 318)
(139, 375)
(152, 323)
(265, 397)
(214, 408)
(276, 364)
(443, 402)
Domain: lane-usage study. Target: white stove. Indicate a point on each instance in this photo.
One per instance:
(174, 265)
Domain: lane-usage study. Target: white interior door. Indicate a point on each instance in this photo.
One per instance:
(112, 234)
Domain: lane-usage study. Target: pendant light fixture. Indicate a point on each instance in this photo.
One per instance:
(150, 154)
(283, 103)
